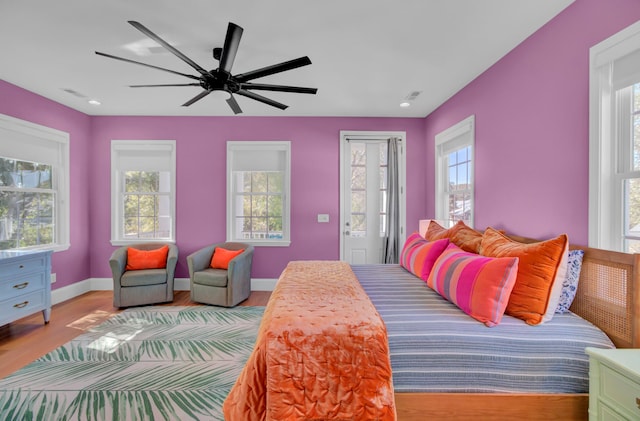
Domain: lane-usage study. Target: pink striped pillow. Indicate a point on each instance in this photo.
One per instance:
(418, 255)
(480, 286)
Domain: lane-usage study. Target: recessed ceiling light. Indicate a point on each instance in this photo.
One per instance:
(405, 104)
(94, 102)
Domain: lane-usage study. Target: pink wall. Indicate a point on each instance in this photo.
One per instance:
(73, 264)
(532, 125)
(201, 175)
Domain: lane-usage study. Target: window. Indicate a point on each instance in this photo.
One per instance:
(614, 143)
(143, 191)
(454, 173)
(34, 186)
(258, 176)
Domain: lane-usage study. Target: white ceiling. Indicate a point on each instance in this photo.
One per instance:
(367, 55)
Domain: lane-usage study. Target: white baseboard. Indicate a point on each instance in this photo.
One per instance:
(106, 284)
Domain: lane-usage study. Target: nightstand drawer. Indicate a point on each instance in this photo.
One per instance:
(620, 392)
(22, 285)
(22, 306)
(10, 269)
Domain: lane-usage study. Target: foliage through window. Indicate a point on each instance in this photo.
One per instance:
(614, 144)
(147, 199)
(34, 186)
(27, 201)
(143, 191)
(454, 173)
(257, 207)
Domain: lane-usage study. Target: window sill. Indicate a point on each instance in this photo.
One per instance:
(141, 241)
(264, 243)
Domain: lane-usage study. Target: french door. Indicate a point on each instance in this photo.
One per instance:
(363, 192)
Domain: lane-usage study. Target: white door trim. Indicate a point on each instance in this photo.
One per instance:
(402, 166)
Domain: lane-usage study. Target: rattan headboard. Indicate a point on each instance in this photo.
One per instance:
(609, 294)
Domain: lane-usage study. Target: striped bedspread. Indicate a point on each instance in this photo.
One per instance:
(435, 347)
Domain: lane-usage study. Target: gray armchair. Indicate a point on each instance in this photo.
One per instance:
(220, 287)
(140, 287)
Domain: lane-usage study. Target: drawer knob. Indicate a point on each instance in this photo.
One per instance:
(21, 266)
(21, 286)
(21, 305)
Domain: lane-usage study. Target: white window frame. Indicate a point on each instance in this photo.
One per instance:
(460, 135)
(32, 142)
(234, 147)
(606, 178)
(164, 152)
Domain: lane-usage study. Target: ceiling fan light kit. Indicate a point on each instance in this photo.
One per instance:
(220, 81)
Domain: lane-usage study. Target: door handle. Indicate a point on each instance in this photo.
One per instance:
(347, 233)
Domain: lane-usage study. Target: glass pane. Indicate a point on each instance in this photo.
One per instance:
(358, 178)
(246, 206)
(245, 181)
(636, 142)
(246, 226)
(276, 182)
(358, 225)
(452, 178)
(383, 225)
(358, 154)
(462, 155)
(164, 182)
(384, 150)
(383, 201)
(131, 181)
(258, 225)
(636, 97)
(463, 174)
(46, 206)
(7, 171)
(149, 181)
(632, 207)
(131, 227)
(383, 178)
(259, 205)
(632, 246)
(259, 182)
(131, 205)
(275, 206)
(358, 201)
(275, 228)
(147, 205)
(148, 227)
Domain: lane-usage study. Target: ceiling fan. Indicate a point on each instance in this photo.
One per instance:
(221, 79)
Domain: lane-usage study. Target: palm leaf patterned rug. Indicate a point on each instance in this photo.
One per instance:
(147, 363)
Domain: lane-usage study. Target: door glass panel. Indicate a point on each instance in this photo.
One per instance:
(358, 201)
(358, 225)
(358, 178)
(358, 154)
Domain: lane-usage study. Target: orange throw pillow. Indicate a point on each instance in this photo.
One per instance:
(147, 259)
(460, 234)
(221, 257)
(540, 265)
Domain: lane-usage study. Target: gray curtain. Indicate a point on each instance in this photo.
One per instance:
(391, 252)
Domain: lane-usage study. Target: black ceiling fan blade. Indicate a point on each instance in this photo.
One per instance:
(278, 88)
(196, 98)
(140, 27)
(164, 85)
(230, 49)
(235, 107)
(276, 68)
(260, 98)
(147, 65)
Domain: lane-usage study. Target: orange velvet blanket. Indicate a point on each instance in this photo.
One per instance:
(321, 352)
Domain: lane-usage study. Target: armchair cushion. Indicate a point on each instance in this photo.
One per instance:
(221, 257)
(135, 278)
(211, 277)
(147, 259)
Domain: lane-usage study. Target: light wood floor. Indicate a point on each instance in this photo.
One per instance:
(26, 340)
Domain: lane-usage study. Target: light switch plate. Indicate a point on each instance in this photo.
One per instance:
(323, 217)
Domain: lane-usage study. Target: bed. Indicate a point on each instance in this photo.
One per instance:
(608, 297)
